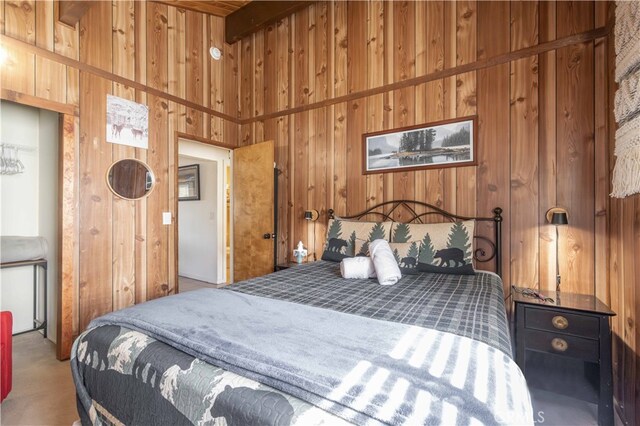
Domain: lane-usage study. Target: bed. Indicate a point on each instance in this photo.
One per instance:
(304, 346)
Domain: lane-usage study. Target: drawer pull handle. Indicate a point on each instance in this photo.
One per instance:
(559, 344)
(560, 322)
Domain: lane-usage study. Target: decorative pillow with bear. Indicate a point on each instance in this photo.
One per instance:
(347, 238)
(406, 255)
(443, 247)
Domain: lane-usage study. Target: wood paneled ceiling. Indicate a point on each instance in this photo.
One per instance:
(216, 7)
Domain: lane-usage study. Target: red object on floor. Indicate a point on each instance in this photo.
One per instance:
(6, 326)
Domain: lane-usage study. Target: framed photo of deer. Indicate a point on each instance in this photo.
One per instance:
(127, 122)
(447, 143)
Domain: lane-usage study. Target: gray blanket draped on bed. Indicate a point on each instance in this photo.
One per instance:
(362, 369)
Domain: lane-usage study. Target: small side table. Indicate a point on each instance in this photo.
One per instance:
(37, 324)
(572, 328)
(288, 265)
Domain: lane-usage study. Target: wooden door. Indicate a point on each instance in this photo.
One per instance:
(253, 210)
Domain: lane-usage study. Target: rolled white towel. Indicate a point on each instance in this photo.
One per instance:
(384, 262)
(357, 267)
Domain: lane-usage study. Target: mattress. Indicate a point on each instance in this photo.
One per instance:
(125, 376)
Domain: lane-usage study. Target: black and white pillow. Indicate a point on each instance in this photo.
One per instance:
(443, 247)
(346, 238)
(406, 255)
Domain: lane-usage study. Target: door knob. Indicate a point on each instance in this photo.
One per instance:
(269, 236)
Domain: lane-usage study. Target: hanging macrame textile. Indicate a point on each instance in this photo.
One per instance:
(626, 173)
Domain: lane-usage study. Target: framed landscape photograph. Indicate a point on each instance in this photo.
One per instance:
(448, 143)
(189, 183)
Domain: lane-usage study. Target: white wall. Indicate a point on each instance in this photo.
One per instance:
(197, 238)
(29, 206)
(198, 152)
(19, 125)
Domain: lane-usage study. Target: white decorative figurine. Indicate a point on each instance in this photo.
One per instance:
(300, 252)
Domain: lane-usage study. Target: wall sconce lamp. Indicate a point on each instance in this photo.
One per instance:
(311, 215)
(557, 216)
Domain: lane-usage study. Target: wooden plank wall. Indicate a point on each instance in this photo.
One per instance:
(537, 145)
(625, 301)
(126, 255)
(544, 133)
(544, 130)
(623, 269)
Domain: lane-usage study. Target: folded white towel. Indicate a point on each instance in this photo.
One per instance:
(384, 262)
(357, 267)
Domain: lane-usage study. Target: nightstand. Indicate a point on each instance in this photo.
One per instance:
(287, 265)
(565, 347)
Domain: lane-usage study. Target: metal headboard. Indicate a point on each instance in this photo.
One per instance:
(386, 210)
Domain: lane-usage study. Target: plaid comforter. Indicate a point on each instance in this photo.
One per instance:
(467, 305)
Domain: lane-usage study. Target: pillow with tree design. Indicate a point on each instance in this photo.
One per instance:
(443, 247)
(406, 255)
(347, 238)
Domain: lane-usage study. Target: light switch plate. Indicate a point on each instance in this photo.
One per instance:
(166, 218)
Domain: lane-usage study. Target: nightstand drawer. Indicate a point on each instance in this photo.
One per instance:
(562, 322)
(562, 344)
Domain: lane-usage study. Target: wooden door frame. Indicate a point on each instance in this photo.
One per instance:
(68, 255)
(174, 176)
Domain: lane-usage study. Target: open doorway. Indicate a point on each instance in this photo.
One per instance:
(29, 217)
(205, 252)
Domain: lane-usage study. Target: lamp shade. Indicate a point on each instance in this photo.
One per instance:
(311, 215)
(559, 218)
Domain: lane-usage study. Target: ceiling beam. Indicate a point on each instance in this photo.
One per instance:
(216, 8)
(70, 12)
(256, 15)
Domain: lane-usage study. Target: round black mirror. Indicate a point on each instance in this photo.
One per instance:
(130, 179)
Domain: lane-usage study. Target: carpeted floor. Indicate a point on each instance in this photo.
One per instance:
(189, 284)
(43, 392)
